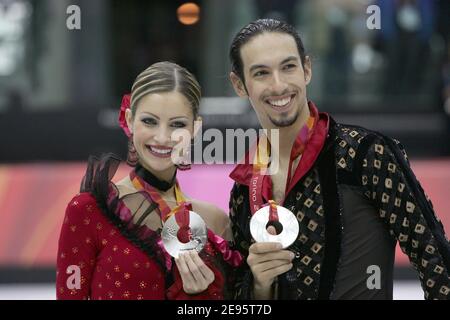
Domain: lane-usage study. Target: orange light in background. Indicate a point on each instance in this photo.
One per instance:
(188, 13)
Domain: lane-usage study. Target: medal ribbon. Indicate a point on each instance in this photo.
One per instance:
(261, 163)
(181, 211)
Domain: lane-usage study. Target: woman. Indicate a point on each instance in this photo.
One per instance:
(110, 245)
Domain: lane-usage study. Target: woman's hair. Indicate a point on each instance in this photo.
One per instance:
(255, 28)
(166, 77)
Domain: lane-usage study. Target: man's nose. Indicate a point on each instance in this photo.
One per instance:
(279, 84)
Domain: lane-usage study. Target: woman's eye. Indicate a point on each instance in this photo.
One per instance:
(149, 121)
(178, 124)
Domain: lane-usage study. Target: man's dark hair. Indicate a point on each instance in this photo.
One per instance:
(255, 28)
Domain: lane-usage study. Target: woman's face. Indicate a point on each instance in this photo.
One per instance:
(157, 116)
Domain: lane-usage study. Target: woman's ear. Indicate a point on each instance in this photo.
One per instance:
(238, 85)
(129, 119)
(198, 123)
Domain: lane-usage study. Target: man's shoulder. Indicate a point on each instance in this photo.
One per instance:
(239, 190)
(353, 142)
(360, 138)
(353, 134)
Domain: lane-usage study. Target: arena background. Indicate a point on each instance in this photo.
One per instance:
(60, 90)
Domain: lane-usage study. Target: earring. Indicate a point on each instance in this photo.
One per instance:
(183, 167)
(185, 163)
(132, 156)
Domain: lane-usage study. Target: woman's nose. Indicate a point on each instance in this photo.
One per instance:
(162, 135)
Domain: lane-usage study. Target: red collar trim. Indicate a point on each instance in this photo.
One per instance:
(243, 172)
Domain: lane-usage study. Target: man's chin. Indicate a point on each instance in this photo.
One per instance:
(284, 120)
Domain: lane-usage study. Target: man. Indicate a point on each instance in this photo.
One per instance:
(351, 189)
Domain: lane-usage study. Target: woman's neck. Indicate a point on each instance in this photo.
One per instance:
(164, 181)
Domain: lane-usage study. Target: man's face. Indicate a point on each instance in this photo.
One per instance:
(274, 78)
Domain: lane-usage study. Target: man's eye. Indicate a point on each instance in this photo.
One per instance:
(259, 73)
(149, 121)
(289, 66)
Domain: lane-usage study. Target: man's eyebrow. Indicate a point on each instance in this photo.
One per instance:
(288, 59)
(257, 66)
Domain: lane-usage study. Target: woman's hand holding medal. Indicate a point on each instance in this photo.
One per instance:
(195, 274)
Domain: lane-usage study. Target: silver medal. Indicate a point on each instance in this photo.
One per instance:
(288, 220)
(170, 239)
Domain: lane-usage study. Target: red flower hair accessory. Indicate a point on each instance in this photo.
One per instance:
(123, 107)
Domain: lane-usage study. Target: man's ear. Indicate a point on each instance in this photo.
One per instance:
(307, 69)
(238, 85)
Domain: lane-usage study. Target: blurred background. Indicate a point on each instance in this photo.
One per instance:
(60, 90)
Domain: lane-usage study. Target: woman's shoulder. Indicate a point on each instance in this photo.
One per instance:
(125, 187)
(91, 201)
(82, 205)
(208, 209)
(215, 218)
(82, 199)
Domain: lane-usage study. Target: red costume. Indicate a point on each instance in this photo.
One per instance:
(117, 255)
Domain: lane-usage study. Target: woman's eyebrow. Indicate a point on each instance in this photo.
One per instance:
(172, 118)
(151, 114)
(179, 117)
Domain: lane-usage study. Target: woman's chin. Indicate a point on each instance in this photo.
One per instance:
(158, 165)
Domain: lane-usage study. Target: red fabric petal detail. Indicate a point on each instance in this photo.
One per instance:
(232, 257)
(123, 107)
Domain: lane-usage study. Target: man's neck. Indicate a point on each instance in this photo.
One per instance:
(288, 135)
